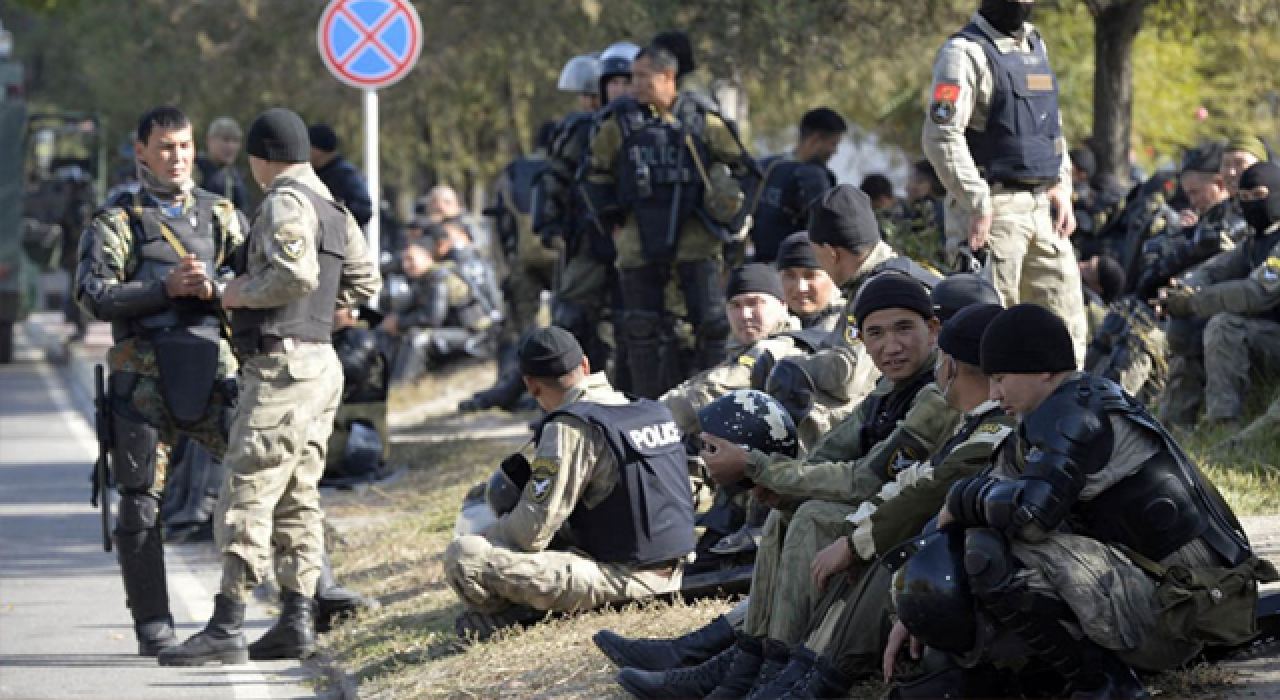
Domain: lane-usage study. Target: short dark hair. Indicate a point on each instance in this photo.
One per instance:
(924, 169)
(164, 117)
(678, 43)
(662, 58)
(822, 120)
(876, 185)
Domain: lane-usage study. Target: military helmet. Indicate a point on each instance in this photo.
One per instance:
(363, 452)
(932, 591)
(507, 483)
(581, 75)
(752, 419)
(614, 61)
(397, 295)
(960, 290)
(357, 348)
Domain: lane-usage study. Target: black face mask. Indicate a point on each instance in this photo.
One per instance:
(1261, 214)
(1006, 15)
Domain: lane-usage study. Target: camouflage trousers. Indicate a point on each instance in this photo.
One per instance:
(490, 578)
(851, 623)
(270, 503)
(1031, 262)
(782, 592)
(1237, 351)
(1183, 394)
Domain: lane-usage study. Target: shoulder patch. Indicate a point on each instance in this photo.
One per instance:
(1271, 270)
(292, 243)
(746, 360)
(541, 473)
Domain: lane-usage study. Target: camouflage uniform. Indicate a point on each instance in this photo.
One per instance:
(1127, 346)
(512, 563)
(276, 452)
(118, 280)
(851, 623)
(827, 486)
(532, 265)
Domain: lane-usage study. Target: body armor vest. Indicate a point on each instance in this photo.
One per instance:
(311, 317)
(657, 178)
(157, 256)
(885, 410)
(775, 216)
(647, 518)
(1020, 142)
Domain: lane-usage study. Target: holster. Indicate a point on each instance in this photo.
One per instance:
(188, 362)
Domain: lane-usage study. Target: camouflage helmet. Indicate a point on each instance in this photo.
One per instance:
(752, 419)
(581, 75)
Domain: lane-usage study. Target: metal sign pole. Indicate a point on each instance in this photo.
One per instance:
(371, 171)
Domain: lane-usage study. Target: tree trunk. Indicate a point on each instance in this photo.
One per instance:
(1116, 27)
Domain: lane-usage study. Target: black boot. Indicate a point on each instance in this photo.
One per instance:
(293, 636)
(680, 683)
(810, 677)
(221, 640)
(663, 654)
(777, 656)
(744, 670)
(474, 626)
(507, 388)
(334, 602)
(141, 557)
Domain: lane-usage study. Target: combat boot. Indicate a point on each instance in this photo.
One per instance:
(744, 670)
(141, 556)
(293, 636)
(808, 677)
(335, 602)
(507, 388)
(777, 656)
(221, 640)
(679, 683)
(475, 626)
(663, 654)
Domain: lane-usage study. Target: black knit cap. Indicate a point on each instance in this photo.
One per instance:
(842, 217)
(1205, 159)
(279, 135)
(754, 277)
(1027, 339)
(892, 290)
(549, 353)
(961, 336)
(323, 137)
(796, 251)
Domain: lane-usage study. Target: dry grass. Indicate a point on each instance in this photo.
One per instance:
(396, 535)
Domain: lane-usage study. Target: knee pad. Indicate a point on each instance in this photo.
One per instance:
(133, 454)
(136, 512)
(988, 563)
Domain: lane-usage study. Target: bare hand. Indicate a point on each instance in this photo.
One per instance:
(1064, 220)
(188, 279)
(1188, 218)
(836, 557)
(232, 297)
(979, 228)
(897, 637)
(726, 462)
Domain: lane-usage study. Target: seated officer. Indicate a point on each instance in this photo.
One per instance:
(810, 293)
(904, 420)
(757, 315)
(445, 319)
(608, 478)
(1092, 545)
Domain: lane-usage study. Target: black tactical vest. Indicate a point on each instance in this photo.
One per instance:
(157, 256)
(883, 411)
(775, 216)
(648, 517)
(311, 317)
(657, 179)
(1020, 142)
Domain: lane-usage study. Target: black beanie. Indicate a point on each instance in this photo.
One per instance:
(1111, 278)
(842, 217)
(549, 353)
(961, 336)
(796, 251)
(892, 290)
(1027, 339)
(1260, 214)
(1205, 159)
(279, 135)
(754, 277)
(323, 138)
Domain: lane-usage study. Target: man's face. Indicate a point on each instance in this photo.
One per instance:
(1020, 394)
(588, 102)
(1204, 190)
(619, 86)
(753, 316)
(224, 149)
(415, 261)
(819, 147)
(808, 291)
(652, 86)
(1234, 163)
(168, 153)
(917, 187)
(443, 205)
(899, 341)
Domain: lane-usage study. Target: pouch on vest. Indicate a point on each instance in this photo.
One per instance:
(188, 362)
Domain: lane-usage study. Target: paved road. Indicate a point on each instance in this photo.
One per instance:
(64, 630)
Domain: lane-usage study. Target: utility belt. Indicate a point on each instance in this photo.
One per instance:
(1031, 186)
(254, 344)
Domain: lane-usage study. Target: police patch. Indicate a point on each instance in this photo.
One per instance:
(988, 428)
(942, 111)
(542, 471)
(1271, 269)
(292, 243)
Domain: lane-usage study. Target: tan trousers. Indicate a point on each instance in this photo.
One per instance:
(489, 578)
(270, 503)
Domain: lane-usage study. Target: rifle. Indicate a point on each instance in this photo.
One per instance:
(102, 467)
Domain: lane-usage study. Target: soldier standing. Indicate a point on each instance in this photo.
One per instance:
(145, 268)
(994, 135)
(305, 256)
(218, 172)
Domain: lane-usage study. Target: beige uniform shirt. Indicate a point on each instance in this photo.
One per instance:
(571, 464)
(282, 262)
(961, 71)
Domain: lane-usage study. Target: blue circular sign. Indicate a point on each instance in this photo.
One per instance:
(370, 44)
